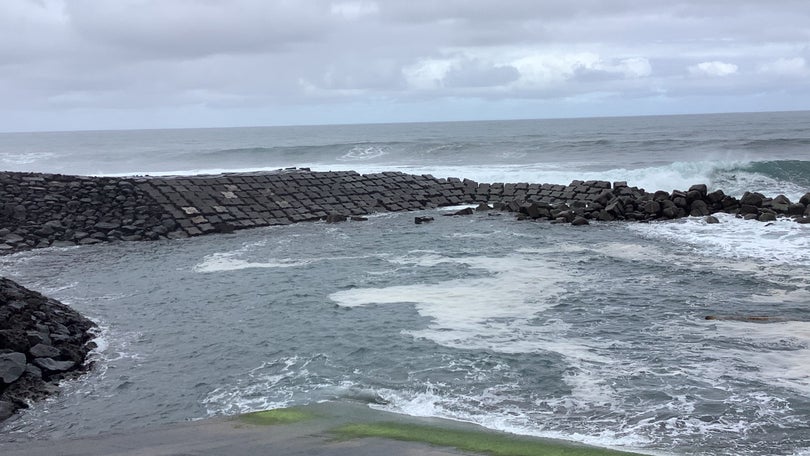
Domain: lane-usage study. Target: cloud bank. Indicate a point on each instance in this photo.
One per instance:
(85, 64)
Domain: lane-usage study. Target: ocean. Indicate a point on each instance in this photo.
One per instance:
(593, 334)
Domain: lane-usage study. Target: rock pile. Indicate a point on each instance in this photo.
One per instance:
(41, 342)
(41, 210)
(599, 200)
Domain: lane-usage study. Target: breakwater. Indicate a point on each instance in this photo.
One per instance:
(42, 210)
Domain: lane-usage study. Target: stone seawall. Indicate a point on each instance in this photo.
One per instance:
(42, 210)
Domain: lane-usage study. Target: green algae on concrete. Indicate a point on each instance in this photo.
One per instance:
(485, 442)
(277, 416)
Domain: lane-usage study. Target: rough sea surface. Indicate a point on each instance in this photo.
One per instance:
(595, 334)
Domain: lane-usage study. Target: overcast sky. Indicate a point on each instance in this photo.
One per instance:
(97, 64)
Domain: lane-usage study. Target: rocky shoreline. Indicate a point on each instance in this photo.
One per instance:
(42, 341)
(43, 210)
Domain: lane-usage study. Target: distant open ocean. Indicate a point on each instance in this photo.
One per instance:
(594, 334)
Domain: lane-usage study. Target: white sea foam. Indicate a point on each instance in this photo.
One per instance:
(220, 262)
(780, 242)
(493, 313)
(429, 402)
(244, 257)
(273, 384)
(234, 260)
(779, 352)
(467, 306)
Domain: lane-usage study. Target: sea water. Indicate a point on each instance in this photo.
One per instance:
(595, 334)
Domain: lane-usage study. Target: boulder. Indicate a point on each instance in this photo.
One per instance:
(805, 199)
(604, 197)
(483, 207)
(336, 218)
(693, 195)
(780, 204)
(465, 211)
(6, 409)
(752, 199)
(15, 340)
(13, 238)
(12, 366)
(44, 351)
(106, 226)
(421, 220)
(702, 189)
(670, 212)
(221, 227)
(531, 209)
(605, 216)
(715, 197)
(51, 365)
(711, 220)
(579, 221)
(616, 208)
(699, 208)
(651, 208)
(796, 209)
(767, 217)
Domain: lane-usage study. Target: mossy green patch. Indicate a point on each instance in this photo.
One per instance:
(277, 416)
(485, 442)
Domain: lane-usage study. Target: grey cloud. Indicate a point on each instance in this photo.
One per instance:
(197, 28)
(476, 73)
(58, 55)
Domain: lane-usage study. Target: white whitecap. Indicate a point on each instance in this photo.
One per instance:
(220, 262)
(780, 242)
(364, 152)
(25, 158)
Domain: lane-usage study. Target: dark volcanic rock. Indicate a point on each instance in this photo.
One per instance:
(6, 410)
(51, 365)
(44, 351)
(465, 211)
(12, 366)
(336, 218)
(42, 341)
(421, 220)
(752, 199)
(579, 221)
(796, 209)
(699, 208)
(767, 217)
